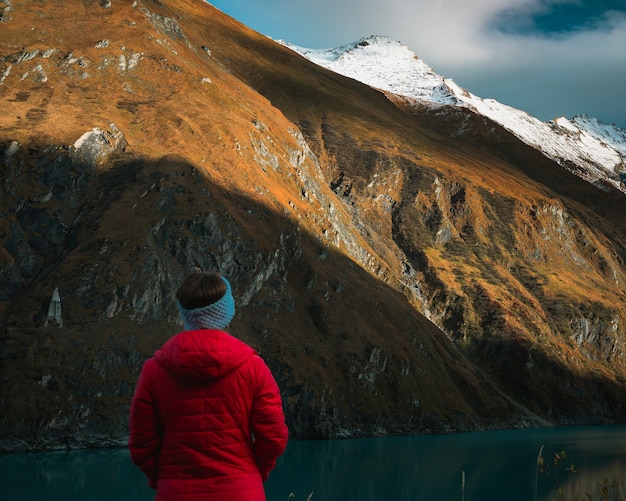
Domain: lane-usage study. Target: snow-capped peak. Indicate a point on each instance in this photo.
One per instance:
(385, 64)
(597, 149)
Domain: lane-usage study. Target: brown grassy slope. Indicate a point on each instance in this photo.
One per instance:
(396, 184)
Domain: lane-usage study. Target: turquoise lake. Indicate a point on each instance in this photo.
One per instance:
(495, 466)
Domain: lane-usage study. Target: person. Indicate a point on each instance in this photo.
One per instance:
(206, 418)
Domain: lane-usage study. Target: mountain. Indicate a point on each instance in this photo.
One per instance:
(593, 150)
(397, 276)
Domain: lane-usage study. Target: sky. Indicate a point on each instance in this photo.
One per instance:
(550, 58)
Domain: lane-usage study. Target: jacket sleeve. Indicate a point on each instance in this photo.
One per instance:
(268, 421)
(144, 440)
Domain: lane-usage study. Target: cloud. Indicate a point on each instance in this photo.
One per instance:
(549, 74)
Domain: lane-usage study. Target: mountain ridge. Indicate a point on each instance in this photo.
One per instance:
(398, 278)
(594, 151)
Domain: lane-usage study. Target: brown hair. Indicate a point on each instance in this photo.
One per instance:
(200, 289)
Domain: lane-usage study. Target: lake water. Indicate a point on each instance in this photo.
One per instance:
(497, 466)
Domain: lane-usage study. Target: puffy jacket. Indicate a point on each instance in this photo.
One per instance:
(206, 419)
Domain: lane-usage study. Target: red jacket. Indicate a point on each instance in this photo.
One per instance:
(206, 419)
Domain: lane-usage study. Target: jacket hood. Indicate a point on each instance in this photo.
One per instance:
(203, 354)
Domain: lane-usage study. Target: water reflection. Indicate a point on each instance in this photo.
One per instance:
(498, 466)
(78, 475)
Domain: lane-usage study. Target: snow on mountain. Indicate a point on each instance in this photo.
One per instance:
(597, 150)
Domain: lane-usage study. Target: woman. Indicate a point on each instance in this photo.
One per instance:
(206, 419)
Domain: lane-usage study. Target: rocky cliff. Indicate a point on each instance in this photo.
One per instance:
(401, 271)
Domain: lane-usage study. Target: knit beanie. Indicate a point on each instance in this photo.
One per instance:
(216, 315)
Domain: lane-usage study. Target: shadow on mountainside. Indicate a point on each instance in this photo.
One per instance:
(352, 357)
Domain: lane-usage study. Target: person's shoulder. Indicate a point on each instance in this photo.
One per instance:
(258, 364)
(149, 367)
(149, 362)
(255, 358)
